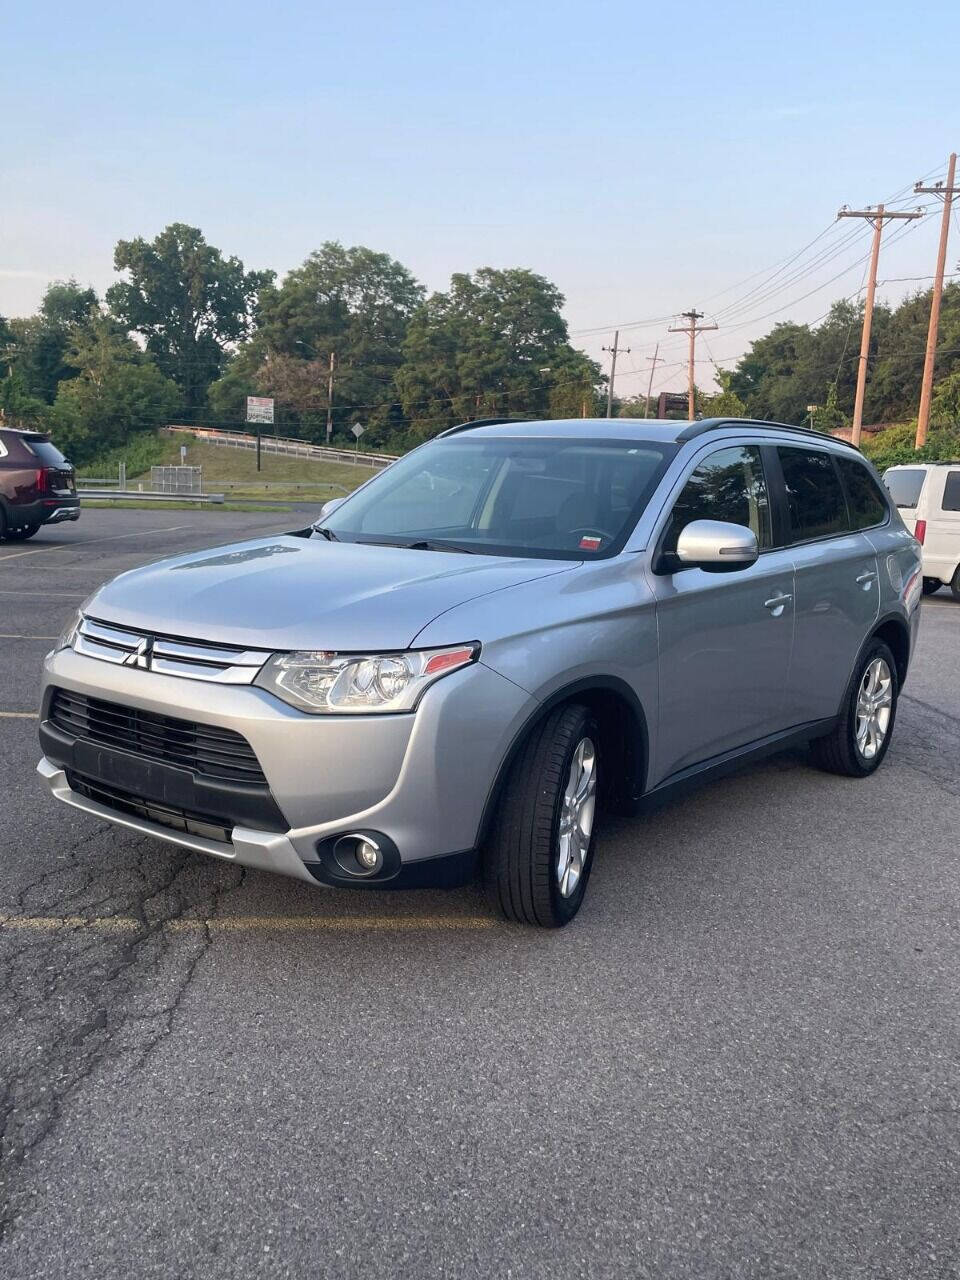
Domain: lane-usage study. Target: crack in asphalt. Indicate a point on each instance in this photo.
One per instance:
(75, 1000)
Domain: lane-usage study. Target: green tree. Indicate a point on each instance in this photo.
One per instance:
(828, 417)
(726, 403)
(354, 302)
(37, 346)
(494, 344)
(188, 302)
(118, 392)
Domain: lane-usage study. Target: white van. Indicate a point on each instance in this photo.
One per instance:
(928, 497)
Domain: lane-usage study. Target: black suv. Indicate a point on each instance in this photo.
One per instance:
(37, 484)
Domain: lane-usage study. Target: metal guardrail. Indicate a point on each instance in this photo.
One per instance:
(138, 495)
(287, 446)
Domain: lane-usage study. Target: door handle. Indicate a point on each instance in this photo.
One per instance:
(776, 604)
(864, 579)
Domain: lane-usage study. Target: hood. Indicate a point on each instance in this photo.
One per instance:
(291, 592)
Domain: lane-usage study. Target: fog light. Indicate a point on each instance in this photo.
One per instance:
(368, 855)
(358, 854)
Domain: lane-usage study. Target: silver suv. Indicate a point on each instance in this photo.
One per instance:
(513, 628)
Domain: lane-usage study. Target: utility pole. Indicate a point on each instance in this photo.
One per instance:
(946, 193)
(333, 363)
(652, 361)
(876, 217)
(692, 328)
(613, 369)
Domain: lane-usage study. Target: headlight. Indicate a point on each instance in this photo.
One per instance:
(334, 683)
(69, 633)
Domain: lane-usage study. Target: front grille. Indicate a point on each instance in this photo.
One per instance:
(196, 824)
(203, 749)
(168, 655)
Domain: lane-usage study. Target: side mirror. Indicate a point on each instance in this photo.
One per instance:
(717, 545)
(328, 508)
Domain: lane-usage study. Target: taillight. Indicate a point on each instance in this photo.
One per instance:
(920, 531)
(42, 480)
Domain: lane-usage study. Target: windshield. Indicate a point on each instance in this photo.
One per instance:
(905, 486)
(556, 498)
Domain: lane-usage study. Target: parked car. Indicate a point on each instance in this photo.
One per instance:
(510, 630)
(927, 496)
(37, 484)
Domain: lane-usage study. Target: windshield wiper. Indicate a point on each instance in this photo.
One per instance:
(326, 533)
(427, 544)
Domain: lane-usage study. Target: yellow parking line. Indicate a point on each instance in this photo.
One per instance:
(89, 542)
(252, 924)
(19, 715)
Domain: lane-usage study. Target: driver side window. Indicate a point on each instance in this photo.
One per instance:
(727, 485)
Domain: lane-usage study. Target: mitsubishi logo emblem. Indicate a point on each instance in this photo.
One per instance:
(141, 656)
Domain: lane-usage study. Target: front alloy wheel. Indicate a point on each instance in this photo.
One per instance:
(537, 857)
(576, 817)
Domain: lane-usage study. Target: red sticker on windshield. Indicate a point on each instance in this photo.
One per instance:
(590, 543)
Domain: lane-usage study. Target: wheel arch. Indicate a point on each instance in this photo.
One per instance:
(895, 633)
(624, 737)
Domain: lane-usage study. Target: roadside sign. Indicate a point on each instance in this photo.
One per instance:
(260, 409)
(357, 430)
(183, 454)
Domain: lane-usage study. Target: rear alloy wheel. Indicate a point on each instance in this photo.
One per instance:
(537, 860)
(930, 585)
(22, 532)
(860, 739)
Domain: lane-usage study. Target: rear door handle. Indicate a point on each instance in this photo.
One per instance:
(864, 578)
(776, 604)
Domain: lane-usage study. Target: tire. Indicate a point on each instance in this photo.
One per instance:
(841, 751)
(524, 853)
(22, 533)
(930, 585)
(3, 524)
(955, 584)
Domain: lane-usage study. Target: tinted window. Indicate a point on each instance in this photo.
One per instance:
(509, 495)
(48, 453)
(865, 502)
(728, 485)
(905, 486)
(951, 492)
(814, 497)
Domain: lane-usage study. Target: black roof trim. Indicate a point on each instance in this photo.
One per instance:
(695, 429)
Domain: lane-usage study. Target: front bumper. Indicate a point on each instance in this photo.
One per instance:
(422, 779)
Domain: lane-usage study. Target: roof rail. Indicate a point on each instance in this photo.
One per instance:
(478, 422)
(694, 429)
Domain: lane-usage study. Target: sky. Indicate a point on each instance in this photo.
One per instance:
(645, 158)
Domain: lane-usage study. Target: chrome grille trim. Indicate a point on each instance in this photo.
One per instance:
(168, 655)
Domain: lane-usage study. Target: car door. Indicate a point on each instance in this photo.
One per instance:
(837, 596)
(724, 638)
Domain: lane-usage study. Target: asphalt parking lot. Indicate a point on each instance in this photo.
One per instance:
(740, 1060)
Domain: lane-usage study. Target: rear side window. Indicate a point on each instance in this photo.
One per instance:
(905, 486)
(814, 497)
(951, 492)
(48, 453)
(865, 500)
(727, 485)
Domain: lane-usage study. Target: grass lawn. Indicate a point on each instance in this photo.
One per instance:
(234, 472)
